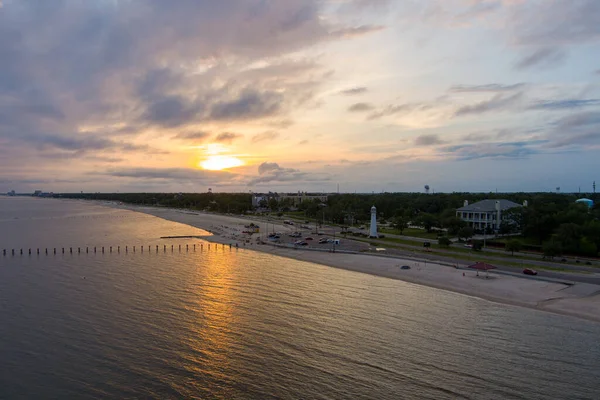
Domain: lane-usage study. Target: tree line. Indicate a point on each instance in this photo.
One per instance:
(552, 223)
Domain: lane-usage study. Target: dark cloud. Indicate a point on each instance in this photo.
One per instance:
(172, 111)
(249, 105)
(496, 103)
(265, 136)
(227, 137)
(576, 130)
(354, 91)
(195, 136)
(564, 104)
(272, 172)
(361, 107)
(499, 151)
(428, 140)
(542, 57)
(491, 87)
(400, 109)
(267, 167)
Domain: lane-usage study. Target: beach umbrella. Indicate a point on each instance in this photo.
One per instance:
(481, 266)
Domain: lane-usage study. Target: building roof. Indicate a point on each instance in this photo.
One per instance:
(489, 206)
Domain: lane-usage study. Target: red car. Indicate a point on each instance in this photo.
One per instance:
(529, 271)
(308, 238)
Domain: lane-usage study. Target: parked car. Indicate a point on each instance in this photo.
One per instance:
(405, 267)
(301, 243)
(308, 238)
(323, 241)
(529, 271)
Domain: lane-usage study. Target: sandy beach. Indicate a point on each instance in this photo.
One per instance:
(579, 299)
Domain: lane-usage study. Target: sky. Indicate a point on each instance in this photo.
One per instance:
(299, 95)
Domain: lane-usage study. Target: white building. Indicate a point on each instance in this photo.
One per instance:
(486, 213)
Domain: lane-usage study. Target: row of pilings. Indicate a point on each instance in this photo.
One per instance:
(111, 249)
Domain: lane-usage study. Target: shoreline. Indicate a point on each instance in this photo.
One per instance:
(578, 300)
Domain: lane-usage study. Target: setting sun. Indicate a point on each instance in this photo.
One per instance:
(217, 163)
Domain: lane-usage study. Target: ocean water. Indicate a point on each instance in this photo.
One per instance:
(236, 324)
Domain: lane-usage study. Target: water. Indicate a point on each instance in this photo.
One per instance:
(236, 324)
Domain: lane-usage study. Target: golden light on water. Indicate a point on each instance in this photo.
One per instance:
(217, 163)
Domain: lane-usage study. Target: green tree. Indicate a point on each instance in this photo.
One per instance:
(465, 233)
(513, 245)
(477, 245)
(552, 248)
(400, 223)
(273, 204)
(444, 241)
(453, 224)
(427, 221)
(569, 235)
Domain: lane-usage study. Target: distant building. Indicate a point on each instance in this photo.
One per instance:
(587, 202)
(291, 199)
(296, 199)
(11, 193)
(486, 213)
(37, 193)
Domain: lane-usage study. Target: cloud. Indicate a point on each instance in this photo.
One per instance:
(428, 140)
(303, 142)
(354, 91)
(179, 174)
(273, 173)
(580, 129)
(265, 136)
(354, 31)
(227, 137)
(542, 57)
(564, 104)
(146, 68)
(250, 104)
(491, 87)
(361, 107)
(499, 151)
(497, 103)
(195, 136)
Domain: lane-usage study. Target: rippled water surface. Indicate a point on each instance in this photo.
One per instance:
(227, 323)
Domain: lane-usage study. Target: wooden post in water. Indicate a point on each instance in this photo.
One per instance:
(142, 247)
(38, 251)
(187, 247)
(134, 249)
(4, 252)
(21, 251)
(63, 250)
(164, 248)
(171, 248)
(157, 248)
(148, 247)
(94, 249)
(46, 250)
(118, 249)
(55, 250)
(110, 249)
(87, 249)
(13, 252)
(102, 249)
(71, 250)
(194, 246)
(79, 250)
(180, 248)
(29, 251)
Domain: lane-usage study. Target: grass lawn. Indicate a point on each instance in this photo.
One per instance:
(420, 233)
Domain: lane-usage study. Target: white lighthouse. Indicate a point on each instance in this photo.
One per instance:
(373, 233)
